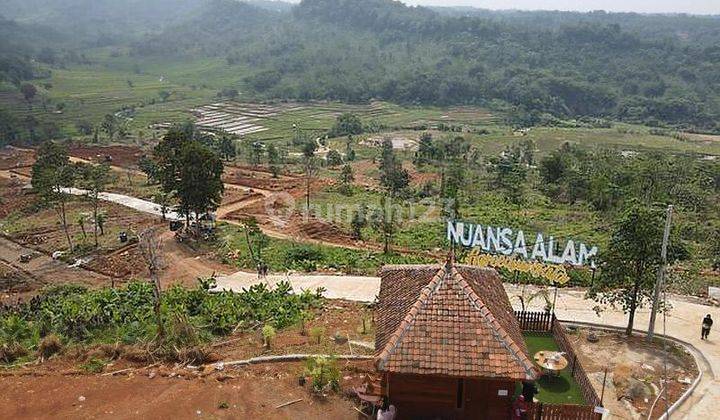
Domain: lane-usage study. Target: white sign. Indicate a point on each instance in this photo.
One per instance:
(505, 241)
(502, 392)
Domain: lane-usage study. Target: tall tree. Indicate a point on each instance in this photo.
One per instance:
(52, 175)
(94, 179)
(310, 167)
(200, 187)
(392, 175)
(632, 259)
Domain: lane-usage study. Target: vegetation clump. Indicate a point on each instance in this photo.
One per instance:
(191, 318)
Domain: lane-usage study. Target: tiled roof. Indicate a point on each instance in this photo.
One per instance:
(448, 320)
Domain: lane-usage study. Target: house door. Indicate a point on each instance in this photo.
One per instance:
(487, 399)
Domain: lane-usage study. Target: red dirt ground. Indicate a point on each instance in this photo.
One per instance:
(258, 179)
(11, 158)
(59, 388)
(123, 156)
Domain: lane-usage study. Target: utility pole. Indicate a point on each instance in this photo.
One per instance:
(661, 273)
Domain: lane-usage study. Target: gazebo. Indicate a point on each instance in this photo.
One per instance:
(448, 344)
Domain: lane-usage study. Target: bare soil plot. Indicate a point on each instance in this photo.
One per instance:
(259, 179)
(164, 391)
(120, 155)
(25, 278)
(635, 371)
(13, 158)
(42, 228)
(13, 198)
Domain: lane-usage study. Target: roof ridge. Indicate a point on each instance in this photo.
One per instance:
(498, 330)
(404, 325)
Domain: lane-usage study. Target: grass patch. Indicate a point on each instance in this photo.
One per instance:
(560, 389)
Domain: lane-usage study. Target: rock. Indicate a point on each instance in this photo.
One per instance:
(686, 380)
(81, 398)
(637, 390)
(152, 374)
(648, 367)
(623, 375)
(714, 292)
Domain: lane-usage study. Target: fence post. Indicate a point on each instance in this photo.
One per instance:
(539, 411)
(573, 366)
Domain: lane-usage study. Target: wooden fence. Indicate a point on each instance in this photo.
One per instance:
(535, 321)
(546, 322)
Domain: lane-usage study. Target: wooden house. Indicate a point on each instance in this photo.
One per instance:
(448, 344)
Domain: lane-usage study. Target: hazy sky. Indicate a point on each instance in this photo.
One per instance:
(705, 7)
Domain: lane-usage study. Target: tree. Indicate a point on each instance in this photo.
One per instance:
(255, 238)
(346, 179)
(385, 223)
(359, 221)
(346, 124)
(150, 247)
(94, 179)
(164, 200)
(256, 152)
(200, 187)
(510, 175)
(632, 259)
(274, 159)
(349, 151)
(227, 148)
(167, 156)
(150, 168)
(52, 175)
(333, 158)
(392, 175)
(310, 167)
(426, 150)
(110, 126)
(29, 92)
(84, 127)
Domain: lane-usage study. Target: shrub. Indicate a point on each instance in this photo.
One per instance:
(49, 345)
(324, 374)
(317, 333)
(94, 365)
(268, 334)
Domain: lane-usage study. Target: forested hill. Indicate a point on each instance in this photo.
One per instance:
(536, 66)
(562, 64)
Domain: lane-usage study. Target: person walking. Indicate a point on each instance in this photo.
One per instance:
(706, 325)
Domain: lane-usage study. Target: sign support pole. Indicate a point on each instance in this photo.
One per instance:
(661, 274)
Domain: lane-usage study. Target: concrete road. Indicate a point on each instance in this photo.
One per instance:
(355, 288)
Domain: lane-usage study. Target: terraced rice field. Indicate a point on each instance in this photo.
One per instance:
(236, 118)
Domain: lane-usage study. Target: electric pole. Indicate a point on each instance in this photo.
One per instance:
(661, 273)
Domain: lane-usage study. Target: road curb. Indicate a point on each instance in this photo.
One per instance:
(697, 355)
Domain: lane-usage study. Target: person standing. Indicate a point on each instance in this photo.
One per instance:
(706, 325)
(519, 409)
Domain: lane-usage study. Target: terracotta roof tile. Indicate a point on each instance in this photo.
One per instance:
(448, 320)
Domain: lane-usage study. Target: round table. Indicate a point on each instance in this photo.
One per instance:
(551, 361)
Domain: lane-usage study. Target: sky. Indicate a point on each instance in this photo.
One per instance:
(700, 7)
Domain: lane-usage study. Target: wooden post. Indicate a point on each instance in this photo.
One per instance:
(573, 366)
(602, 393)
